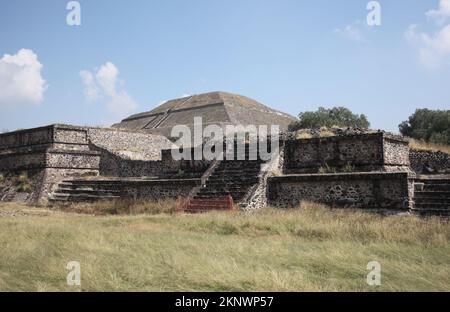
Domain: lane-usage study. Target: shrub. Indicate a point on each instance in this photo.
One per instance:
(428, 125)
(348, 168)
(23, 183)
(334, 117)
(327, 169)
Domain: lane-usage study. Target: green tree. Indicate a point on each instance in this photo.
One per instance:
(429, 125)
(334, 117)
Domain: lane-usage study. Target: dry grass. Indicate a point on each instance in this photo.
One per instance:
(311, 248)
(121, 207)
(321, 133)
(424, 146)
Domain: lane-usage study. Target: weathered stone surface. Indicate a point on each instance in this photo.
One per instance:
(219, 108)
(361, 152)
(428, 162)
(355, 190)
(93, 189)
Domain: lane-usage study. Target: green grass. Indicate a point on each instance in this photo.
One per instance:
(308, 249)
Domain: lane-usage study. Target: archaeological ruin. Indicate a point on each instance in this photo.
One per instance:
(374, 170)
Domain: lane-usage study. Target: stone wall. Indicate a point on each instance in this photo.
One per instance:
(428, 162)
(355, 190)
(139, 154)
(58, 152)
(395, 152)
(159, 189)
(130, 145)
(44, 155)
(362, 152)
(127, 153)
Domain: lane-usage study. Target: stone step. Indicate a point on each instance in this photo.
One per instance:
(97, 190)
(240, 163)
(432, 194)
(218, 193)
(91, 181)
(87, 191)
(428, 206)
(230, 188)
(230, 183)
(431, 199)
(80, 198)
(433, 181)
(236, 196)
(211, 199)
(431, 212)
(206, 206)
(91, 185)
(236, 172)
(437, 187)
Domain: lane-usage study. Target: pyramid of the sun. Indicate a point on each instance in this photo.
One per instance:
(218, 108)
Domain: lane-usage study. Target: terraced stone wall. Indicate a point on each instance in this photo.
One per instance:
(355, 190)
(429, 162)
(350, 153)
(45, 156)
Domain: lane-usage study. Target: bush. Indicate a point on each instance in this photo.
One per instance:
(428, 125)
(327, 169)
(23, 183)
(334, 117)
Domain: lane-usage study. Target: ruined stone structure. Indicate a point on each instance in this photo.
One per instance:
(58, 164)
(216, 108)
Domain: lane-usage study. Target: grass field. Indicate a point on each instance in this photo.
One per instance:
(308, 249)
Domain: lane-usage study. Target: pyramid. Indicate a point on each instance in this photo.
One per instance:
(219, 108)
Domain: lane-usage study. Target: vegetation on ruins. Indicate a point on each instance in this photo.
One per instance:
(326, 168)
(23, 183)
(418, 145)
(431, 126)
(311, 249)
(333, 117)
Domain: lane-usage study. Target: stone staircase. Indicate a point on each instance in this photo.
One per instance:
(227, 184)
(84, 190)
(432, 196)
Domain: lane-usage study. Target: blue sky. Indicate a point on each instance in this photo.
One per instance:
(291, 55)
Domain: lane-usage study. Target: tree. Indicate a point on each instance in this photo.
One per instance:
(334, 117)
(429, 125)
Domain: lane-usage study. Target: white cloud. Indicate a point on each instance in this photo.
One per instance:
(105, 83)
(351, 31)
(91, 90)
(20, 79)
(434, 48)
(442, 13)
